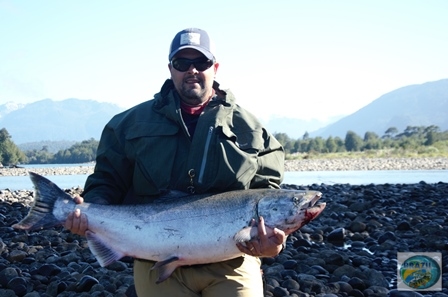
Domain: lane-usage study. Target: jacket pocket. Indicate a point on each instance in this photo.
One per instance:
(234, 161)
(152, 145)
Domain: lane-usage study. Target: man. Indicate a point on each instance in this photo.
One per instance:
(194, 138)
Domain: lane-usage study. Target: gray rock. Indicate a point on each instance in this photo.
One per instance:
(362, 263)
(337, 235)
(396, 293)
(6, 275)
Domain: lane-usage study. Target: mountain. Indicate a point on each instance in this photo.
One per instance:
(76, 120)
(9, 107)
(415, 105)
(70, 119)
(296, 128)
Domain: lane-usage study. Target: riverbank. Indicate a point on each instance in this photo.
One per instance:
(349, 250)
(348, 164)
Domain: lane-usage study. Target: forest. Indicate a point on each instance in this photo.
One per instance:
(414, 141)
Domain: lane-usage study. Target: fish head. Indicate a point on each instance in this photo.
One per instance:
(289, 210)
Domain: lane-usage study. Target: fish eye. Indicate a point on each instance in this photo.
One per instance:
(296, 199)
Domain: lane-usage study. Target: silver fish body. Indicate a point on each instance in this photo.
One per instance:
(177, 229)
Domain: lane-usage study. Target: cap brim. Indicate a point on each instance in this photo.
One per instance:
(206, 53)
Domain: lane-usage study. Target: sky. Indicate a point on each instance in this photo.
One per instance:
(287, 58)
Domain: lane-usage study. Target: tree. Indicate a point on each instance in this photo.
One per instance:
(371, 141)
(432, 128)
(77, 153)
(283, 138)
(331, 145)
(4, 135)
(390, 133)
(10, 154)
(303, 145)
(369, 136)
(431, 138)
(316, 144)
(432, 134)
(409, 143)
(340, 144)
(353, 142)
(410, 131)
(287, 143)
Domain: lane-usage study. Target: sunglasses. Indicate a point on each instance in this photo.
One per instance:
(183, 64)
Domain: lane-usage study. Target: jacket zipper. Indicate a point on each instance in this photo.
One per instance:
(204, 157)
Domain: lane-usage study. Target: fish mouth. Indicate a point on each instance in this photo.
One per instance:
(317, 209)
(313, 208)
(312, 201)
(307, 211)
(316, 198)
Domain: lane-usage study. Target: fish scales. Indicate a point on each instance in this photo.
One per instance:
(177, 229)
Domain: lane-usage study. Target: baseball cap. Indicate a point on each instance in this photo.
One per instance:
(192, 38)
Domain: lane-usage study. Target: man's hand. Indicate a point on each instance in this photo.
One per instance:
(264, 246)
(76, 221)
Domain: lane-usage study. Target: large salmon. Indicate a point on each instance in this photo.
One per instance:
(177, 229)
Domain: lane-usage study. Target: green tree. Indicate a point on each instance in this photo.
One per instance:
(285, 141)
(390, 133)
(340, 144)
(412, 131)
(431, 138)
(303, 145)
(353, 142)
(297, 146)
(331, 145)
(316, 144)
(39, 157)
(10, 154)
(77, 153)
(283, 138)
(371, 141)
(431, 134)
(408, 143)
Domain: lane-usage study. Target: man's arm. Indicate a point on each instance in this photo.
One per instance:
(271, 164)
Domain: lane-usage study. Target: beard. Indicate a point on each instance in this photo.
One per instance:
(196, 95)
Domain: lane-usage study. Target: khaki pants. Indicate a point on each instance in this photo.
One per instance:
(240, 277)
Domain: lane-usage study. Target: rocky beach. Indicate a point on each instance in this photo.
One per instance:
(342, 164)
(349, 250)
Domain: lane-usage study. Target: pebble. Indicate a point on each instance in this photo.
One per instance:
(349, 250)
(344, 164)
(339, 164)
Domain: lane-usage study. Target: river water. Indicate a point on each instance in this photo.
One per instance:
(303, 178)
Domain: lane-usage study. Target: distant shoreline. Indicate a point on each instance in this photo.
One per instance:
(363, 164)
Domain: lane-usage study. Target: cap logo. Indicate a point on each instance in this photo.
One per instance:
(190, 38)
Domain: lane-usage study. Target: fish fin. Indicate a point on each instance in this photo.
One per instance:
(41, 212)
(102, 252)
(165, 268)
(246, 234)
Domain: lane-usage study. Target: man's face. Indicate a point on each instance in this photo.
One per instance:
(193, 86)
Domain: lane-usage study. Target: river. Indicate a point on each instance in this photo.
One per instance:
(303, 178)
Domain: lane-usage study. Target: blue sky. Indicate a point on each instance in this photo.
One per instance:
(292, 58)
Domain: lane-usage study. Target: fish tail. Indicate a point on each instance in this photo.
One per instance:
(42, 212)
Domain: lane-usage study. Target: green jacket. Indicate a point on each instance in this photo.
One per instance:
(147, 150)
